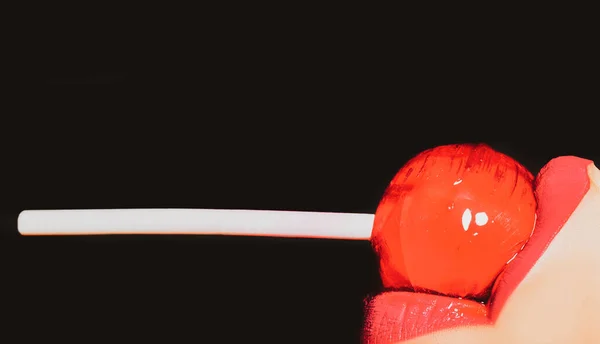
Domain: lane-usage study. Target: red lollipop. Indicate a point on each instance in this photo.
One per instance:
(448, 223)
(451, 219)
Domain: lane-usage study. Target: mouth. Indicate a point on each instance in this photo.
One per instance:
(396, 316)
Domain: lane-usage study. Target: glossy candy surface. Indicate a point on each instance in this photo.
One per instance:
(451, 219)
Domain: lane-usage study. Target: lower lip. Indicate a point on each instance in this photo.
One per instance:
(400, 316)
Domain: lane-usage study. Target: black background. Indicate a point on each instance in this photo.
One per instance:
(287, 115)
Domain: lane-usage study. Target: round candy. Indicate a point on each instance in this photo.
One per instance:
(451, 219)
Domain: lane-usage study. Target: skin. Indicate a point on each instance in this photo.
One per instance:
(558, 301)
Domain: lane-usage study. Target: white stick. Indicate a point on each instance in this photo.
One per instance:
(197, 221)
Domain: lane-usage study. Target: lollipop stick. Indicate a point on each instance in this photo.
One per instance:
(197, 221)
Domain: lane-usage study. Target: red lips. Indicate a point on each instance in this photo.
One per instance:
(436, 251)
